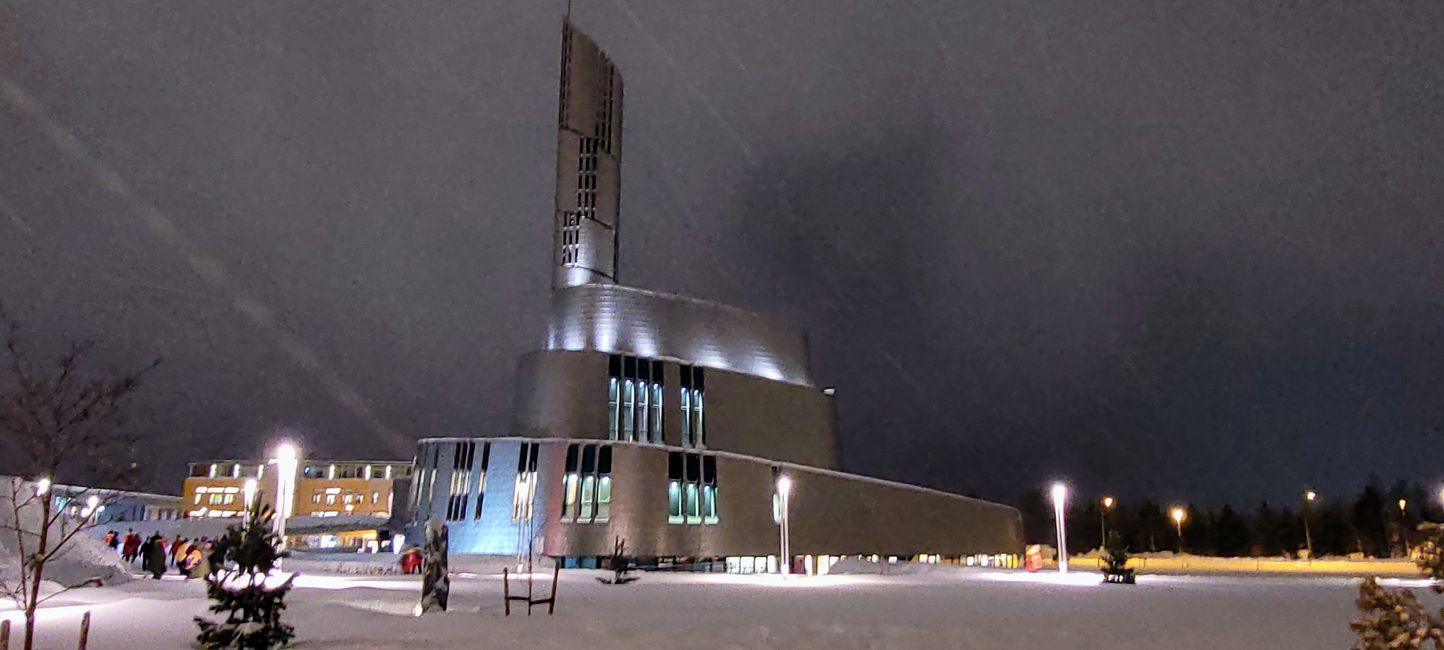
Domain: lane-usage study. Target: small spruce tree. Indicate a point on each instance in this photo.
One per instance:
(1115, 553)
(252, 608)
(1115, 559)
(1395, 618)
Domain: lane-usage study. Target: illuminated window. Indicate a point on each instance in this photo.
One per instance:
(693, 387)
(674, 488)
(587, 484)
(709, 489)
(634, 399)
(459, 492)
(524, 491)
(691, 488)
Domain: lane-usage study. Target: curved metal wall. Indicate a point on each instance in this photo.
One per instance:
(627, 320)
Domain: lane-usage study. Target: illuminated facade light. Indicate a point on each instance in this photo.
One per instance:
(1060, 499)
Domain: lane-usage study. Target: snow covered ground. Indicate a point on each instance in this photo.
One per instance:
(935, 607)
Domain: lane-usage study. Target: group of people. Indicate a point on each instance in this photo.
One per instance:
(190, 558)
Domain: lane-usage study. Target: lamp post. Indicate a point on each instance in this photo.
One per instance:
(1404, 525)
(285, 462)
(1309, 497)
(1060, 497)
(1103, 522)
(1179, 514)
(249, 489)
(784, 490)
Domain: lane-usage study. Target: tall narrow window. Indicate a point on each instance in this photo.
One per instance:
(692, 490)
(644, 397)
(674, 487)
(524, 492)
(709, 489)
(634, 399)
(686, 400)
(693, 387)
(459, 492)
(614, 396)
(628, 410)
(587, 484)
(604, 484)
(570, 484)
(481, 480)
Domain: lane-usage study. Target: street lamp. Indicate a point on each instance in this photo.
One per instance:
(249, 489)
(285, 486)
(1103, 522)
(1179, 514)
(784, 490)
(92, 506)
(42, 486)
(1060, 497)
(1404, 525)
(1309, 497)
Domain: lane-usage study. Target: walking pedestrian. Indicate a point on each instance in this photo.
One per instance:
(153, 557)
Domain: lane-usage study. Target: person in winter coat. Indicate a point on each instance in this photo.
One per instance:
(131, 550)
(411, 561)
(155, 556)
(182, 551)
(191, 562)
(197, 566)
(175, 549)
(112, 539)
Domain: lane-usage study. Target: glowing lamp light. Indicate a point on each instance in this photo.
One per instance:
(784, 490)
(1108, 502)
(286, 455)
(1178, 514)
(1310, 495)
(1060, 498)
(1402, 504)
(42, 486)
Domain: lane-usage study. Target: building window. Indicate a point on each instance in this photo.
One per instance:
(693, 387)
(587, 484)
(691, 488)
(525, 489)
(460, 490)
(481, 480)
(634, 399)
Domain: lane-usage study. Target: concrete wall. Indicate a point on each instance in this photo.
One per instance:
(562, 394)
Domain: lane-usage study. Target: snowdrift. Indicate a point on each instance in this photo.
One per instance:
(83, 559)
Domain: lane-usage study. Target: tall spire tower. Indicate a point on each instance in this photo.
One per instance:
(589, 164)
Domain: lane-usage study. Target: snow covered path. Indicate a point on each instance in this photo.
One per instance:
(942, 608)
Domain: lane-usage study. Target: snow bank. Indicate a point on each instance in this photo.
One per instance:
(83, 559)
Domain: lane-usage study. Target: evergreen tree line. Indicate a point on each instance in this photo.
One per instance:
(1370, 523)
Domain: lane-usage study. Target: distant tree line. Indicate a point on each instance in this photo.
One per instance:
(1370, 523)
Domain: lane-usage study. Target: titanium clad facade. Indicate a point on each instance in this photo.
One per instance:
(627, 320)
(830, 513)
(565, 394)
(589, 164)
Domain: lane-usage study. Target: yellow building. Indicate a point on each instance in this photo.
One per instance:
(324, 488)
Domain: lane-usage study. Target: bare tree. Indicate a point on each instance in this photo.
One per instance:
(61, 418)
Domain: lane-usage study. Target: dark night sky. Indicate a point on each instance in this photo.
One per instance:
(1181, 249)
